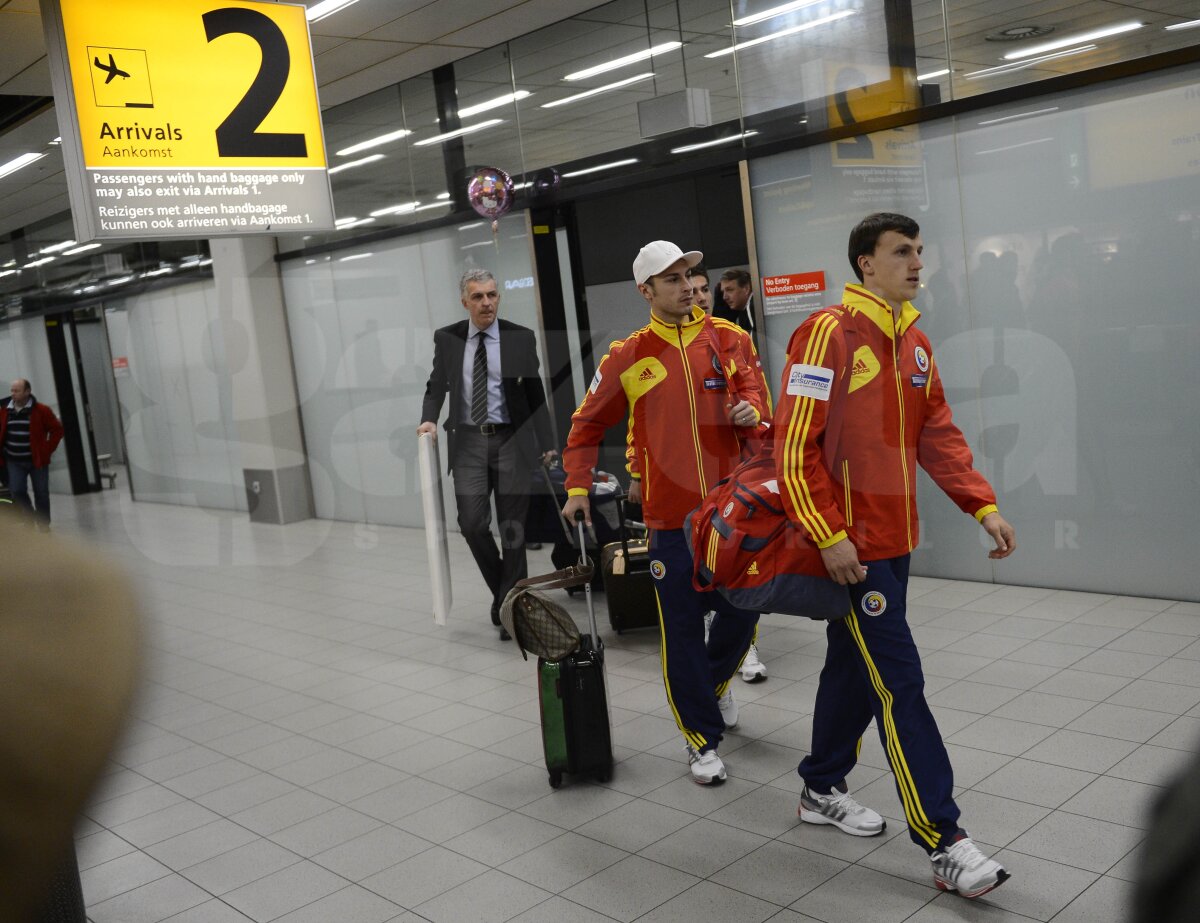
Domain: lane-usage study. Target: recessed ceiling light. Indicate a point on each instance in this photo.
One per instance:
(350, 165)
(1073, 40)
(774, 11)
(703, 144)
(496, 103)
(1194, 24)
(457, 133)
(319, 11)
(1021, 65)
(373, 142)
(596, 92)
(623, 62)
(603, 166)
(782, 33)
(23, 160)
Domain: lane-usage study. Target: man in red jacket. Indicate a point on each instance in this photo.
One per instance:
(29, 434)
(861, 406)
(687, 389)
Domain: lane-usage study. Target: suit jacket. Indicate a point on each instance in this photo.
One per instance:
(520, 380)
(742, 318)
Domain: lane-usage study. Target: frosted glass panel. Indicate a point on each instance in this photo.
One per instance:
(1062, 261)
(175, 396)
(362, 325)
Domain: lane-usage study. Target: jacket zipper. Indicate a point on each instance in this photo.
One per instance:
(903, 449)
(687, 374)
(846, 486)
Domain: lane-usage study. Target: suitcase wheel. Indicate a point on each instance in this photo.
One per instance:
(604, 775)
(555, 778)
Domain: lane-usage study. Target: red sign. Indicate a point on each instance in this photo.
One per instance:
(803, 283)
(120, 363)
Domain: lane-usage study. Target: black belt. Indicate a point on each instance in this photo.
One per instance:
(487, 429)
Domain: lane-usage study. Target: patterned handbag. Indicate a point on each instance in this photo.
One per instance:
(537, 623)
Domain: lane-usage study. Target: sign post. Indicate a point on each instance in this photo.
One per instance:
(194, 118)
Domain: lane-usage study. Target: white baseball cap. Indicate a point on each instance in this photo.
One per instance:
(657, 256)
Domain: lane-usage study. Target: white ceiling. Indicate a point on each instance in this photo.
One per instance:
(375, 44)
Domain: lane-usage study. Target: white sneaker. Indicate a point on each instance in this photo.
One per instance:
(840, 810)
(708, 620)
(707, 768)
(753, 669)
(729, 709)
(963, 868)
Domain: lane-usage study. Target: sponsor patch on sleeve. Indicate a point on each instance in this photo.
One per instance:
(595, 382)
(810, 381)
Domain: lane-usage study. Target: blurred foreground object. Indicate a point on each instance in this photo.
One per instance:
(68, 663)
(1168, 882)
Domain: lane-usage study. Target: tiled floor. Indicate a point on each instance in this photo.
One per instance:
(311, 748)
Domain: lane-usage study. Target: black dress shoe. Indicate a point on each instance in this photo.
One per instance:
(504, 635)
(534, 546)
(495, 613)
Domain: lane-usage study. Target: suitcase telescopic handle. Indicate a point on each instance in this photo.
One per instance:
(587, 587)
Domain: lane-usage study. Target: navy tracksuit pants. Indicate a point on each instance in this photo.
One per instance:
(873, 670)
(695, 676)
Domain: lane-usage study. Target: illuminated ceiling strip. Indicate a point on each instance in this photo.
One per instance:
(17, 163)
(702, 144)
(1013, 147)
(82, 249)
(933, 74)
(425, 208)
(1019, 115)
(493, 103)
(1194, 24)
(1021, 65)
(342, 223)
(63, 245)
(325, 8)
(603, 166)
(349, 165)
(623, 62)
(354, 256)
(774, 11)
(42, 262)
(373, 142)
(1073, 40)
(782, 33)
(604, 89)
(396, 209)
(457, 133)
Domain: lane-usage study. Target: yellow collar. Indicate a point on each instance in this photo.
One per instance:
(689, 329)
(861, 301)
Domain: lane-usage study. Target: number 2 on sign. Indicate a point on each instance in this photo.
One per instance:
(238, 135)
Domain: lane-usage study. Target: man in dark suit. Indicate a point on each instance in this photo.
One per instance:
(498, 426)
(738, 295)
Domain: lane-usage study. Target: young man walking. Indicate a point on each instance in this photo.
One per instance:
(688, 389)
(861, 406)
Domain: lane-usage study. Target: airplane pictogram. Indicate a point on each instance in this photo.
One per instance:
(111, 69)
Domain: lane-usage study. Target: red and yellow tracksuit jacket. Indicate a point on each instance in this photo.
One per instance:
(673, 387)
(860, 406)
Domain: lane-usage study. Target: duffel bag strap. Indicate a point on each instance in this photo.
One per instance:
(575, 575)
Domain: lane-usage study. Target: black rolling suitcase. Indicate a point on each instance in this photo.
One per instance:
(573, 701)
(628, 586)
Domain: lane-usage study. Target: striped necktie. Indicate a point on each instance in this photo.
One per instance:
(479, 382)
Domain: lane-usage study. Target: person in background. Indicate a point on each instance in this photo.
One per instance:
(737, 291)
(753, 670)
(29, 434)
(861, 406)
(687, 389)
(701, 293)
(498, 425)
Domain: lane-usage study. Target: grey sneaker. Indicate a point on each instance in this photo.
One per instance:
(963, 868)
(753, 669)
(840, 810)
(707, 768)
(729, 709)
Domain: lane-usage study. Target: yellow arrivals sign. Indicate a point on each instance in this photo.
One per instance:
(208, 105)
